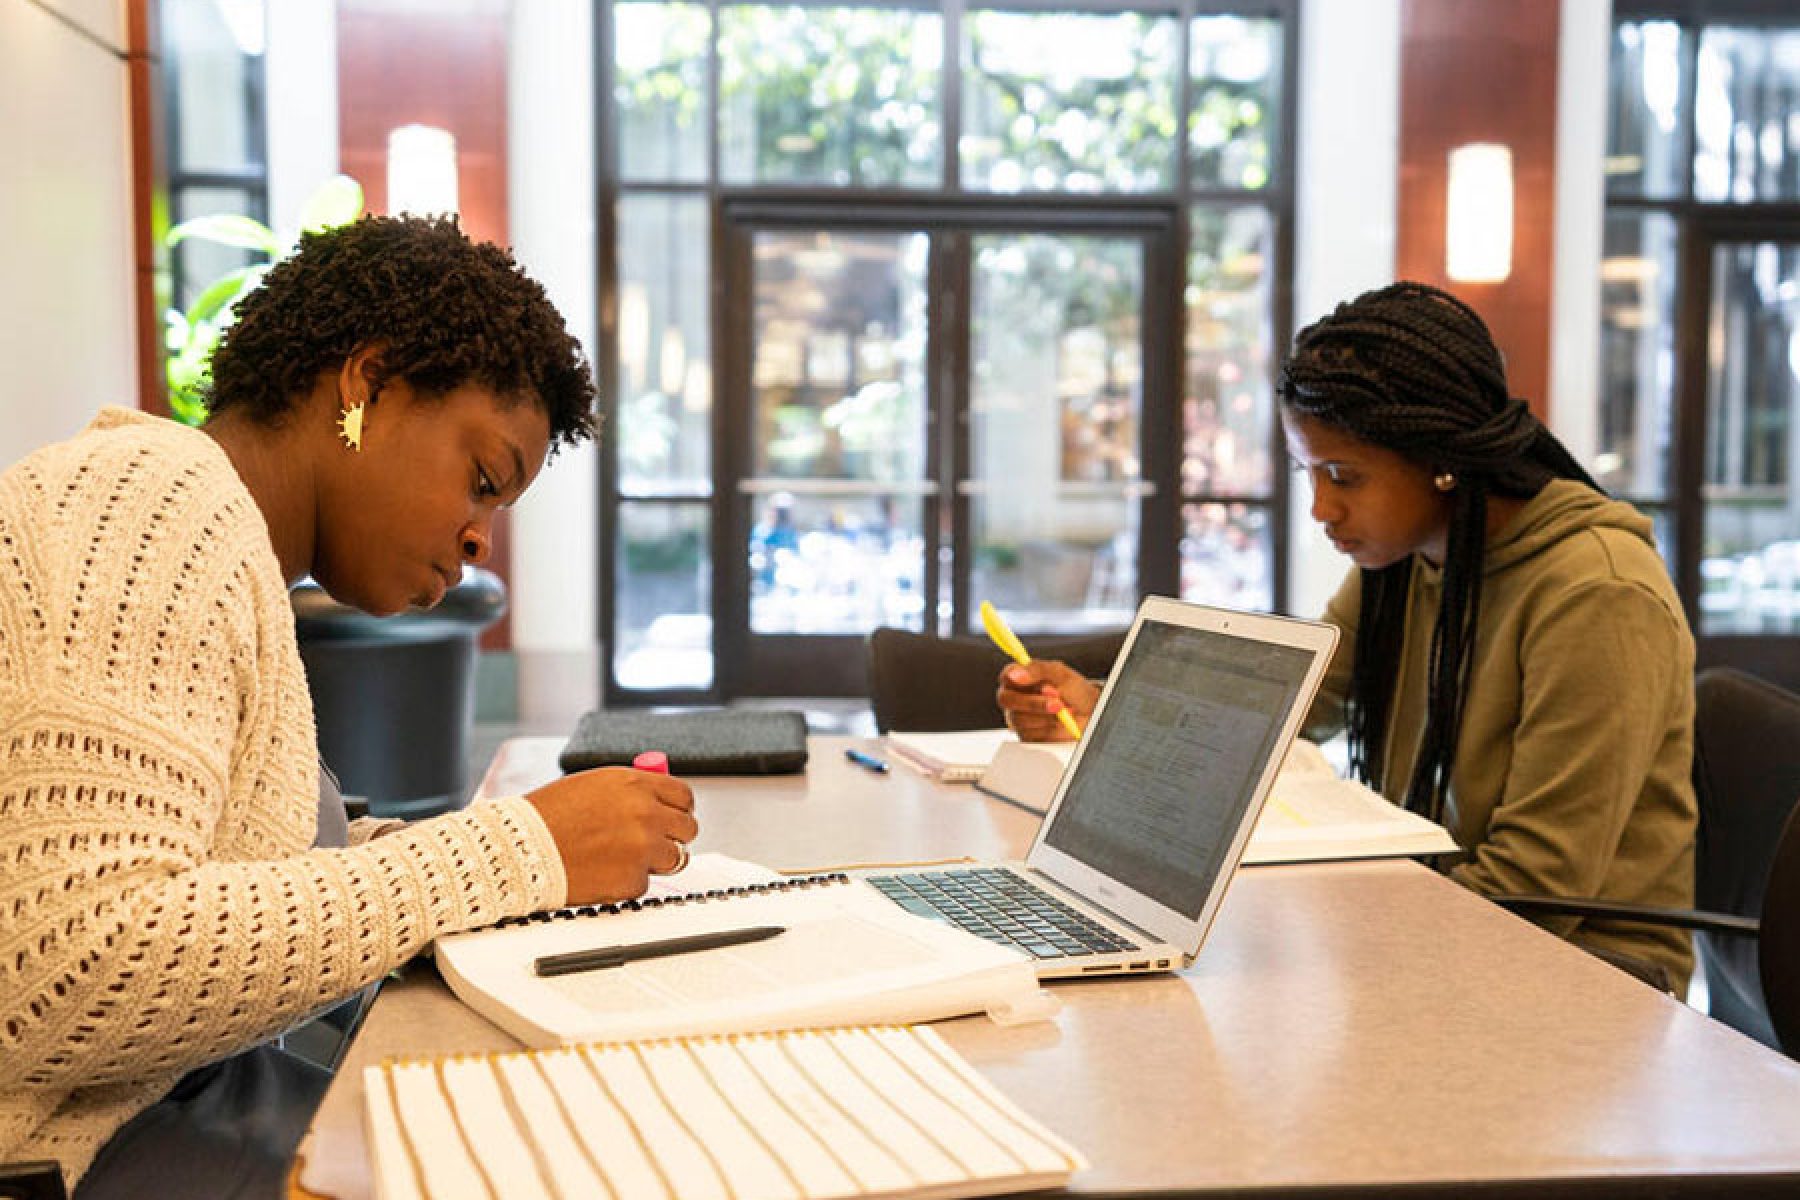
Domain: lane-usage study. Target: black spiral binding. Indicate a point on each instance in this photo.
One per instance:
(798, 883)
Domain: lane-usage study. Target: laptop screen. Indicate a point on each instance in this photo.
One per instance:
(1173, 759)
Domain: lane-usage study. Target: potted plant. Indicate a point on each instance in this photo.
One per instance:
(190, 337)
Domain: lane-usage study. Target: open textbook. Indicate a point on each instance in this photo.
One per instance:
(862, 1112)
(846, 956)
(1312, 814)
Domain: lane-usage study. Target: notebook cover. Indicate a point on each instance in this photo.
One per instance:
(834, 1114)
(712, 742)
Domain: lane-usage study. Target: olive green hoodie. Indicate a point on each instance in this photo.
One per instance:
(1573, 767)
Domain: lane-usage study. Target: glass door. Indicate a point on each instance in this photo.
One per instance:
(1741, 444)
(922, 414)
(1055, 481)
(837, 491)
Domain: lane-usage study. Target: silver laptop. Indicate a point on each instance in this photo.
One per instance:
(1154, 811)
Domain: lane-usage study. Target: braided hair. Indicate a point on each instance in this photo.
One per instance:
(1414, 370)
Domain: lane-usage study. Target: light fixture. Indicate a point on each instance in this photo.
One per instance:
(634, 336)
(673, 367)
(421, 171)
(1478, 216)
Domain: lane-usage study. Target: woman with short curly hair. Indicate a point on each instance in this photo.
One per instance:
(172, 892)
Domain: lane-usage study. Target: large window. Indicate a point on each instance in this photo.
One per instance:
(213, 67)
(1700, 328)
(914, 305)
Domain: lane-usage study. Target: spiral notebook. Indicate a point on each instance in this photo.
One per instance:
(960, 756)
(881, 1111)
(846, 956)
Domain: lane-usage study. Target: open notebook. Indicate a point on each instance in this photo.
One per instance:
(846, 957)
(1312, 813)
(864, 1112)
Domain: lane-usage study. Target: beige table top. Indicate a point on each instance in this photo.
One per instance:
(1346, 1025)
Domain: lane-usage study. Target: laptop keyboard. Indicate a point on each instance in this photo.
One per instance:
(1004, 907)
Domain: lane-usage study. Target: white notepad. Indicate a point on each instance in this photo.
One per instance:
(959, 756)
(808, 1115)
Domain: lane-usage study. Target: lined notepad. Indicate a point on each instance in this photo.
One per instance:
(811, 1115)
(957, 757)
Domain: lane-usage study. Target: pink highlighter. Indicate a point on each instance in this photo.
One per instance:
(654, 761)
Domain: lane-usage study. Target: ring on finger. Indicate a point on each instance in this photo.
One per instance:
(681, 859)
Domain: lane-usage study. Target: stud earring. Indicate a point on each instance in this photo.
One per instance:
(1443, 481)
(350, 427)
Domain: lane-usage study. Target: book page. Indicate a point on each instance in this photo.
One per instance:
(1311, 818)
(820, 1115)
(1305, 758)
(845, 955)
(746, 972)
(1308, 801)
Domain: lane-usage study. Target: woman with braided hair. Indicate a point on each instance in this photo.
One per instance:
(1515, 662)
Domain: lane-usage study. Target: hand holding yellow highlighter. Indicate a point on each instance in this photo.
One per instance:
(1002, 636)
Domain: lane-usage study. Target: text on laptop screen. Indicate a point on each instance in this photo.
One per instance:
(1174, 757)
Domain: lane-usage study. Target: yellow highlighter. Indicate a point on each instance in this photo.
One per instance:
(1012, 647)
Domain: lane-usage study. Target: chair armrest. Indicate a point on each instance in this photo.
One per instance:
(1609, 910)
(31, 1181)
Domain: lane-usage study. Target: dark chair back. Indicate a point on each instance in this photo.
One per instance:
(1780, 938)
(920, 683)
(1747, 778)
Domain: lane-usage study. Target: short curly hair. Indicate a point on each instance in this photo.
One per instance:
(444, 310)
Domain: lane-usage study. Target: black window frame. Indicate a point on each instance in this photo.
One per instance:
(1163, 520)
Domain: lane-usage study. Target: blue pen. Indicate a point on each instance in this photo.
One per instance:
(867, 760)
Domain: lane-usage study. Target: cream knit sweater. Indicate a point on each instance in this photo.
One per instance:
(160, 906)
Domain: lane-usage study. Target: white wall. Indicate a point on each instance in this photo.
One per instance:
(550, 198)
(67, 323)
(1347, 159)
(300, 84)
(1584, 44)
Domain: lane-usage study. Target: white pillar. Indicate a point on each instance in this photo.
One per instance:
(1347, 163)
(300, 83)
(550, 196)
(1584, 49)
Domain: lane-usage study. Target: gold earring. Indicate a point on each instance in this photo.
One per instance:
(350, 427)
(1443, 481)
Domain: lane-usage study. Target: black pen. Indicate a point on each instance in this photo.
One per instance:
(615, 956)
(862, 759)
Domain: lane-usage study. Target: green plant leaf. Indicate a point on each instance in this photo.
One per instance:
(187, 405)
(228, 229)
(223, 292)
(337, 201)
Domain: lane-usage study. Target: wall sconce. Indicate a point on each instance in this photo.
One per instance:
(1478, 214)
(421, 171)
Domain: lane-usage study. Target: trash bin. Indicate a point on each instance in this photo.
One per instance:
(394, 697)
